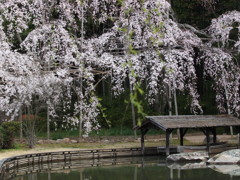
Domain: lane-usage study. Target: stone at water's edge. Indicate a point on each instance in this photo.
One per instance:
(74, 141)
(1, 162)
(210, 140)
(226, 157)
(192, 156)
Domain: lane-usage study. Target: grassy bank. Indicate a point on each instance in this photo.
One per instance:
(21, 148)
(63, 133)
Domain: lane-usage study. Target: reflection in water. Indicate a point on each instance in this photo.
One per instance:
(150, 168)
(185, 166)
(232, 170)
(49, 175)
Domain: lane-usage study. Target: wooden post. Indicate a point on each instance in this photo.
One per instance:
(142, 142)
(181, 137)
(238, 128)
(214, 135)
(167, 142)
(143, 132)
(182, 134)
(208, 140)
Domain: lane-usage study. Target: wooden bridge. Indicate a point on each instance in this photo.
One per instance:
(31, 163)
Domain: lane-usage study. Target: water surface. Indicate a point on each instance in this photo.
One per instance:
(130, 169)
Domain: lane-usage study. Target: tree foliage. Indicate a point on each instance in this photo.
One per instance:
(47, 59)
(8, 131)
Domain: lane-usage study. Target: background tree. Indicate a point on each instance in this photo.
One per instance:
(55, 53)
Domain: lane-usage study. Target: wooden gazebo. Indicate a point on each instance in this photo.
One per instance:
(206, 123)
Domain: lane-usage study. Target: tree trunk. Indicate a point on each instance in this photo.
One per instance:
(227, 100)
(170, 99)
(176, 109)
(133, 112)
(48, 124)
(21, 124)
(30, 128)
(81, 81)
(170, 102)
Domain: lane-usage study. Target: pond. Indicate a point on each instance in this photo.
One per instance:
(148, 168)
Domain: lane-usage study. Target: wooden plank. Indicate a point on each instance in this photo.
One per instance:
(208, 140)
(193, 121)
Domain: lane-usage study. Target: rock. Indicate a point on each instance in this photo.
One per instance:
(66, 140)
(85, 135)
(2, 161)
(137, 140)
(226, 157)
(40, 142)
(106, 141)
(46, 142)
(51, 141)
(211, 140)
(58, 141)
(192, 156)
(74, 141)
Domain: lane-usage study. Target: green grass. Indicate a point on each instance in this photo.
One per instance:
(17, 146)
(120, 132)
(99, 145)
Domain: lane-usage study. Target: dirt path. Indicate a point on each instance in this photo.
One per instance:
(10, 153)
(200, 138)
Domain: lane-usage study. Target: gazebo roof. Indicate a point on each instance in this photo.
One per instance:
(190, 121)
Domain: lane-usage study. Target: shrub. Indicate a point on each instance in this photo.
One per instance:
(8, 131)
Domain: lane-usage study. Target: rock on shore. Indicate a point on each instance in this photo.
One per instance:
(192, 156)
(226, 157)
